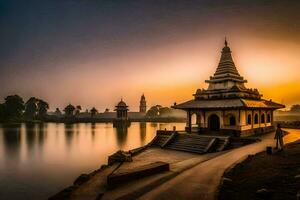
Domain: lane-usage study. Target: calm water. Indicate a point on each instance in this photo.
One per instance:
(38, 160)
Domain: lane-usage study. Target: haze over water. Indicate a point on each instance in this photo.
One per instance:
(38, 160)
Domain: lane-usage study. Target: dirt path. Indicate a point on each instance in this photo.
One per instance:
(202, 181)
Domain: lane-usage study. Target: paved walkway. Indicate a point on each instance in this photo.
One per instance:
(202, 181)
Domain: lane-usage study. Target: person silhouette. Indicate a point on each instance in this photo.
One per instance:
(279, 137)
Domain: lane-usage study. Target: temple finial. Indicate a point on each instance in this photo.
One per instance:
(225, 42)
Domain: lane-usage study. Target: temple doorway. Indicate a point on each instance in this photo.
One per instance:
(214, 122)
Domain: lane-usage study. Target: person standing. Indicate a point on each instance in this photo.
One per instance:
(279, 137)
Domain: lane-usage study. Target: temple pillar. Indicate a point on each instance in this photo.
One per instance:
(204, 120)
(223, 118)
(239, 117)
(272, 119)
(188, 122)
(259, 118)
(252, 119)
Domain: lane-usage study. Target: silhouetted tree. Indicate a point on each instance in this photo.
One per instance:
(295, 108)
(43, 106)
(159, 111)
(94, 111)
(31, 108)
(78, 109)
(2, 114)
(69, 110)
(14, 107)
(154, 111)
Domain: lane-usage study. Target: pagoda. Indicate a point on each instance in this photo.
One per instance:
(122, 115)
(227, 106)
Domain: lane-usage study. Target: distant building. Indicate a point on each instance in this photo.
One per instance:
(143, 104)
(227, 106)
(57, 112)
(122, 115)
(122, 110)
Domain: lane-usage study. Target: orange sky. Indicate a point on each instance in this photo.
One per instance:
(172, 73)
(93, 53)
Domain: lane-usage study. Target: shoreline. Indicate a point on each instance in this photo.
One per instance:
(88, 120)
(145, 183)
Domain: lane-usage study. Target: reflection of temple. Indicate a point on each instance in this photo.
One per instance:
(121, 135)
(227, 105)
(143, 128)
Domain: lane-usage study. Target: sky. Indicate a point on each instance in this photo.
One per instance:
(95, 52)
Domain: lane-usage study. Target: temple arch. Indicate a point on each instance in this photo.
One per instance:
(256, 119)
(268, 118)
(262, 119)
(194, 119)
(249, 119)
(232, 120)
(214, 122)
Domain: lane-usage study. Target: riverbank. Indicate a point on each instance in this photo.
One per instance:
(94, 185)
(131, 174)
(74, 120)
(191, 176)
(263, 176)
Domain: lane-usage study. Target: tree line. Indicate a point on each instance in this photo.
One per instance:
(71, 110)
(15, 109)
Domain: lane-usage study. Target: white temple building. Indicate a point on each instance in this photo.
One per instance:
(227, 106)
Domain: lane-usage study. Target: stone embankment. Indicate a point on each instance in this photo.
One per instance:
(131, 174)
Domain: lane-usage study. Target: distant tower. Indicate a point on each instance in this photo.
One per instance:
(143, 105)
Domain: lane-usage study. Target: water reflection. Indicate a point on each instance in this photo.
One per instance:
(143, 132)
(93, 128)
(69, 133)
(121, 133)
(12, 139)
(37, 160)
(30, 134)
(42, 133)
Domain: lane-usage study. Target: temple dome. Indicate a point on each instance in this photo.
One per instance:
(122, 104)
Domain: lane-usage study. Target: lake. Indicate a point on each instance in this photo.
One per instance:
(39, 160)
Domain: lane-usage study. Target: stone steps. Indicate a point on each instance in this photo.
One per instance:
(160, 140)
(190, 143)
(193, 143)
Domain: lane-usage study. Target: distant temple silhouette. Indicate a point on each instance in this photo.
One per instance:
(227, 106)
(143, 104)
(122, 110)
(122, 115)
